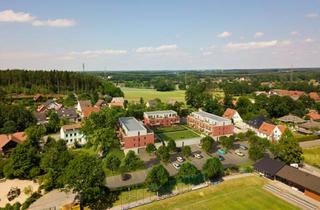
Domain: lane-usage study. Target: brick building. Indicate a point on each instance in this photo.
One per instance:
(210, 124)
(161, 118)
(133, 134)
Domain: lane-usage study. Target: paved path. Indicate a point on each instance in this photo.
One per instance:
(137, 177)
(307, 144)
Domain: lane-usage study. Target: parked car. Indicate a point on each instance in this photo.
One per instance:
(239, 153)
(221, 151)
(180, 159)
(243, 147)
(221, 158)
(197, 155)
(176, 165)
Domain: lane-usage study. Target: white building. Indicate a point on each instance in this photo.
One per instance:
(233, 115)
(72, 134)
(270, 131)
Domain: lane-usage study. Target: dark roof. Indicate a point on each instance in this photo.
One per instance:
(257, 121)
(41, 117)
(301, 178)
(269, 165)
(69, 113)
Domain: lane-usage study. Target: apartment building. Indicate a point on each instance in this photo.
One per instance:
(161, 118)
(133, 134)
(210, 124)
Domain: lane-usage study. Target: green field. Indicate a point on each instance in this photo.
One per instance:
(244, 193)
(176, 132)
(312, 156)
(134, 94)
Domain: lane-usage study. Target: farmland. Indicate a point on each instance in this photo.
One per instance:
(134, 94)
(312, 156)
(243, 193)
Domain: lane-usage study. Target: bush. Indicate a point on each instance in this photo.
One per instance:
(151, 148)
(30, 200)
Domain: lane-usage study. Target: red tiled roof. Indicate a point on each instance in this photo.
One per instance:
(282, 128)
(314, 115)
(18, 137)
(229, 113)
(291, 93)
(88, 110)
(315, 96)
(266, 128)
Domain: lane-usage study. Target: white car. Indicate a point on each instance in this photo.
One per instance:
(180, 159)
(176, 165)
(239, 153)
(198, 156)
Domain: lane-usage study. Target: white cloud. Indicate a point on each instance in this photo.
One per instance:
(285, 42)
(312, 15)
(22, 17)
(224, 34)
(95, 53)
(252, 45)
(294, 33)
(11, 16)
(207, 50)
(159, 49)
(258, 34)
(308, 40)
(54, 23)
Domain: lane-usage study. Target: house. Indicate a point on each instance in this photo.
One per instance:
(152, 103)
(307, 183)
(117, 102)
(270, 131)
(267, 84)
(315, 96)
(101, 103)
(294, 94)
(72, 134)
(133, 134)
(83, 104)
(291, 119)
(88, 110)
(268, 167)
(233, 115)
(69, 114)
(210, 124)
(49, 105)
(313, 115)
(37, 97)
(256, 122)
(277, 170)
(9, 141)
(161, 118)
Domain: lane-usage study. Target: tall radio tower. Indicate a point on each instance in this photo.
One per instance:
(83, 67)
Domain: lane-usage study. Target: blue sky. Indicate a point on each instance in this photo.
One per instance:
(153, 35)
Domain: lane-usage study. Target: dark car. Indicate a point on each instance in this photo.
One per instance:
(221, 158)
(125, 177)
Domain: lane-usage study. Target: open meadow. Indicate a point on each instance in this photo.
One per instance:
(312, 156)
(134, 94)
(244, 193)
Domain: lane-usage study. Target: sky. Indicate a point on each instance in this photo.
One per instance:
(159, 35)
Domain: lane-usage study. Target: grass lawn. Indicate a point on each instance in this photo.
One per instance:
(177, 135)
(132, 195)
(244, 193)
(312, 156)
(134, 94)
(175, 132)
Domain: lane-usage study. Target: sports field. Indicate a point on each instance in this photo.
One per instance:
(241, 194)
(134, 94)
(177, 132)
(312, 156)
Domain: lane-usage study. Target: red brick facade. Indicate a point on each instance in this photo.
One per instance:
(136, 141)
(161, 121)
(212, 130)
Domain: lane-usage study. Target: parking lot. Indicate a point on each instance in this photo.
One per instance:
(230, 159)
